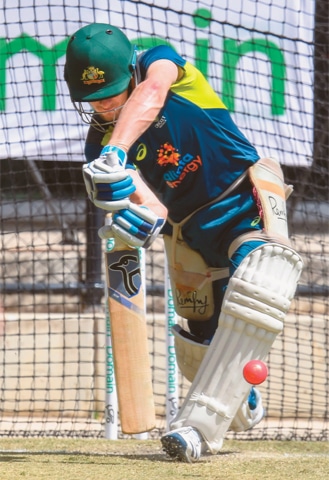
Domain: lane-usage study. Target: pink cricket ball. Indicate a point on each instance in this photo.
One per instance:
(255, 372)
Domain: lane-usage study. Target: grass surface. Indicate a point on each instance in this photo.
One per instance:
(67, 459)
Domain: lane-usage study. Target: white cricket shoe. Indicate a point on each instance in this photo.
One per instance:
(184, 444)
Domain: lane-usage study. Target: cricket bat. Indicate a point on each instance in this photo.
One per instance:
(132, 369)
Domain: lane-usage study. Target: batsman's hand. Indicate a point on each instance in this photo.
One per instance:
(107, 182)
(136, 226)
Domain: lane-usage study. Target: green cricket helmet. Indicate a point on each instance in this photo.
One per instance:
(99, 63)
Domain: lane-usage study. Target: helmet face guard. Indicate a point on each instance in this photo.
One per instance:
(95, 119)
(100, 63)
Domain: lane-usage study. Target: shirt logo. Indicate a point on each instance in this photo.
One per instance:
(169, 155)
(160, 122)
(92, 75)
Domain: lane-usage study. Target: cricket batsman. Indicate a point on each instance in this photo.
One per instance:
(164, 155)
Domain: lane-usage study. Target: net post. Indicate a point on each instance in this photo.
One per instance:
(172, 394)
(111, 400)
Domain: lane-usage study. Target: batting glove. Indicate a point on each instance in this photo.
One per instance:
(136, 226)
(107, 182)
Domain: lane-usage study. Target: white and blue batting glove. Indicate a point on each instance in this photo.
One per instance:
(108, 184)
(136, 226)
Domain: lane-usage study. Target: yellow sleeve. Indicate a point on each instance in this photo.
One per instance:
(194, 87)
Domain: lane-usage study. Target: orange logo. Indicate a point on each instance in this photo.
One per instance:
(93, 75)
(168, 155)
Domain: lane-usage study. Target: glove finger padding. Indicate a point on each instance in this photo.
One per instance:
(106, 188)
(117, 191)
(137, 226)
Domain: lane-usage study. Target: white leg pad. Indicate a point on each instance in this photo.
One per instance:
(189, 354)
(257, 299)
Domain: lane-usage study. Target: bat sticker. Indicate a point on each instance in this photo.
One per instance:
(124, 301)
(128, 266)
(125, 276)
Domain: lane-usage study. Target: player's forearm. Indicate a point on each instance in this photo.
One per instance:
(138, 114)
(144, 104)
(144, 196)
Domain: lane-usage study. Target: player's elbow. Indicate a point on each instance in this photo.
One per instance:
(153, 93)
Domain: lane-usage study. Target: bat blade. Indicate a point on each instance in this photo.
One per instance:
(132, 367)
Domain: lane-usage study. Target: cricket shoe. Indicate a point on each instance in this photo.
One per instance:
(184, 444)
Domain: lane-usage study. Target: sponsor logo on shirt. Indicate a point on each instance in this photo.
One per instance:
(169, 155)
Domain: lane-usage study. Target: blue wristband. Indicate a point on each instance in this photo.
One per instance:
(121, 154)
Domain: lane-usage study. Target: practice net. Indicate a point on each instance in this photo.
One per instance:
(268, 60)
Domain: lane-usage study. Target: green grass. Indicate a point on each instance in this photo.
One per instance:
(67, 459)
